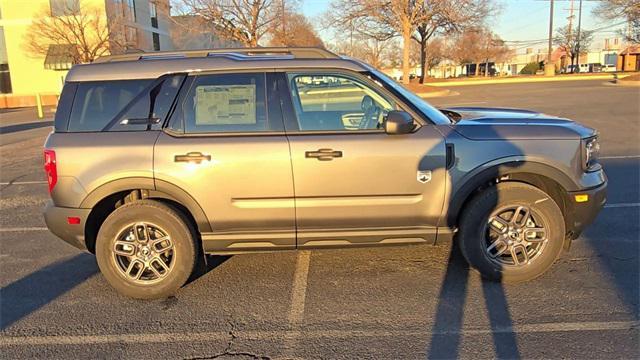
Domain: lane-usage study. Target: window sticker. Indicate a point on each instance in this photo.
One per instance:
(225, 104)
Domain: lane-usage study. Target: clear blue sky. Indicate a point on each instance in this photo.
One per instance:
(519, 20)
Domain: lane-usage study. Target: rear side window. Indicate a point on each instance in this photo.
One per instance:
(225, 103)
(64, 106)
(152, 104)
(96, 103)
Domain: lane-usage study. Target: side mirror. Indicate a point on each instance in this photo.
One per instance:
(398, 123)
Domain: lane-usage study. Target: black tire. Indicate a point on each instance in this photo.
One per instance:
(183, 250)
(472, 236)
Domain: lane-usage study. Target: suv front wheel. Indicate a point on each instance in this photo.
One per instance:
(511, 232)
(146, 249)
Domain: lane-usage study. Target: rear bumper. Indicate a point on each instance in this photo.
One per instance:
(56, 219)
(581, 214)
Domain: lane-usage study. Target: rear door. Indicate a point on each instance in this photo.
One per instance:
(355, 184)
(225, 146)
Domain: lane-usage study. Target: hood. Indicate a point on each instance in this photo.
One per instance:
(498, 123)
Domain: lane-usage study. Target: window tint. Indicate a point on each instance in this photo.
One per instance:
(96, 103)
(336, 102)
(226, 103)
(64, 106)
(154, 103)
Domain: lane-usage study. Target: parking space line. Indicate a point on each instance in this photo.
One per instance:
(132, 338)
(622, 205)
(299, 291)
(298, 299)
(24, 229)
(23, 183)
(619, 157)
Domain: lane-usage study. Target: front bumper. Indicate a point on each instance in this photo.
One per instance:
(56, 219)
(581, 214)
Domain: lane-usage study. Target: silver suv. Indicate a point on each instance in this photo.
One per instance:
(157, 159)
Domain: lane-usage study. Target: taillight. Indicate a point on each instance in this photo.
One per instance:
(50, 168)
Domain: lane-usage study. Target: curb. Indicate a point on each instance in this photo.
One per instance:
(516, 80)
(440, 93)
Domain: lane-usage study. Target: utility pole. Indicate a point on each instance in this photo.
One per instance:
(578, 37)
(550, 68)
(570, 34)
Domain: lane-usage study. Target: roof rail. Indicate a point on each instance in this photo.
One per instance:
(245, 53)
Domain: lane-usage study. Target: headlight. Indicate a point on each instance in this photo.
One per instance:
(590, 150)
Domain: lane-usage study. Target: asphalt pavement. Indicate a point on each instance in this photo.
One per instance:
(384, 303)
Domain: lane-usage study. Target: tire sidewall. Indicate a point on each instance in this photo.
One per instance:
(473, 227)
(166, 218)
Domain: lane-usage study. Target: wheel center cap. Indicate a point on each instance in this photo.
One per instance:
(145, 251)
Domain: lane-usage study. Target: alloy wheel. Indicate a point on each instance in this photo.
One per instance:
(515, 236)
(144, 253)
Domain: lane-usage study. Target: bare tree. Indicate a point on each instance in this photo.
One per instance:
(445, 17)
(245, 21)
(394, 17)
(622, 9)
(491, 47)
(477, 46)
(432, 55)
(375, 52)
(83, 30)
(460, 51)
(293, 29)
(567, 41)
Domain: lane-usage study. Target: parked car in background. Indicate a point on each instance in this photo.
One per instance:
(608, 68)
(581, 68)
(595, 67)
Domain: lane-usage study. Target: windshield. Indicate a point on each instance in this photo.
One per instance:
(424, 107)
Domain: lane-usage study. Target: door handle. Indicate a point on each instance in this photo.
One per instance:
(323, 154)
(195, 157)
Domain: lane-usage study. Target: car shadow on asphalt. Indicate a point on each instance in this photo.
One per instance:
(447, 330)
(34, 291)
(205, 264)
(25, 126)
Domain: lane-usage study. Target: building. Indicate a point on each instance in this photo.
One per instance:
(135, 25)
(192, 32)
(629, 58)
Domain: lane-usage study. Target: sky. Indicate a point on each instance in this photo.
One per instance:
(518, 21)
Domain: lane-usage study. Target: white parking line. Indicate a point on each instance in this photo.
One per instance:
(265, 335)
(23, 183)
(622, 205)
(619, 157)
(299, 291)
(298, 298)
(24, 229)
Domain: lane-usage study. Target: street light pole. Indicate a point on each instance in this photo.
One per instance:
(549, 67)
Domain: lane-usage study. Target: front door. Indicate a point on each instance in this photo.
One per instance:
(354, 184)
(229, 153)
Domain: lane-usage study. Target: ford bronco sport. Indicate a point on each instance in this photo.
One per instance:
(157, 159)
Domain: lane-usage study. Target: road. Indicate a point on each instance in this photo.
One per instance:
(386, 303)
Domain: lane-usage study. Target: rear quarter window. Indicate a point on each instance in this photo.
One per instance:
(96, 103)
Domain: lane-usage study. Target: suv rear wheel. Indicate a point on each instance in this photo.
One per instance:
(146, 249)
(511, 232)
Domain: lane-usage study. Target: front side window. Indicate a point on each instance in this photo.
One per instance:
(336, 103)
(226, 103)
